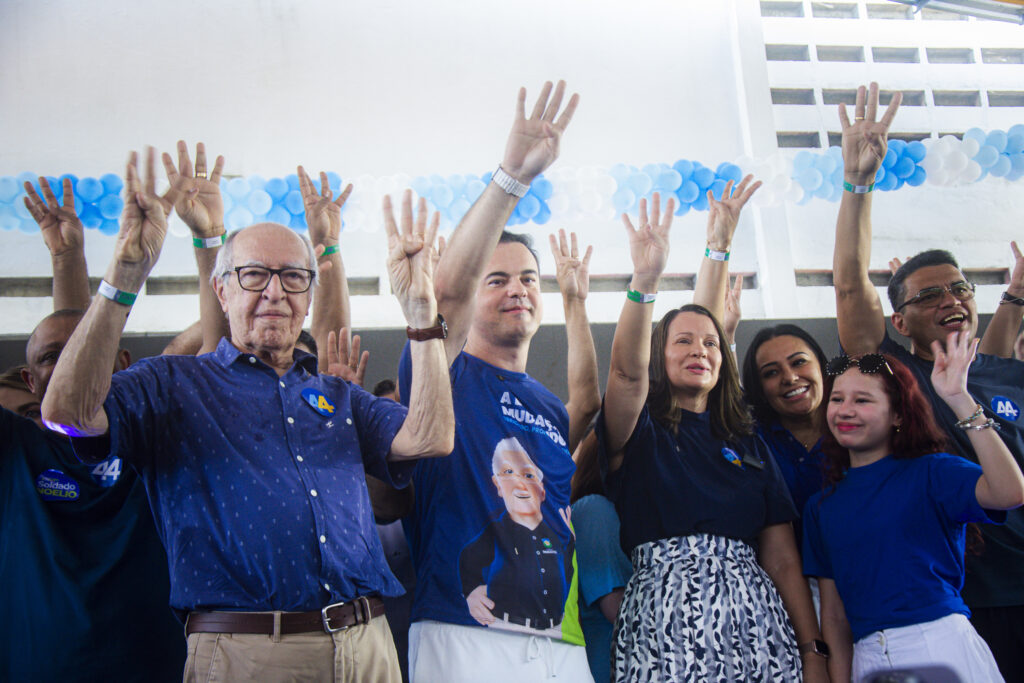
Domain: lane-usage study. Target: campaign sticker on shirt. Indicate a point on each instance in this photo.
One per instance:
(730, 455)
(318, 402)
(55, 485)
(107, 473)
(1005, 408)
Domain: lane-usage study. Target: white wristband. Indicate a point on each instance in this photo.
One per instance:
(509, 184)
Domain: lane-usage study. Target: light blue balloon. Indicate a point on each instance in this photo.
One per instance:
(1017, 162)
(824, 191)
(669, 181)
(887, 183)
(880, 174)
(682, 209)
(24, 214)
(1014, 143)
(239, 188)
(836, 153)
(441, 196)
(688, 192)
(334, 181)
(421, 186)
(27, 177)
(976, 134)
(703, 177)
(112, 183)
(542, 188)
(987, 156)
(727, 171)
(229, 203)
(802, 161)
(684, 168)
(620, 172)
(623, 200)
(826, 164)
(458, 208)
(260, 203)
(279, 214)
(1001, 167)
(651, 170)
(89, 189)
(90, 217)
(56, 186)
(810, 179)
(904, 168)
(898, 145)
(298, 223)
(640, 183)
(72, 177)
(718, 189)
(891, 157)
(1016, 129)
(917, 177)
(277, 188)
(293, 181)
(239, 218)
(257, 182)
(997, 139)
(110, 206)
(9, 189)
(474, 188)
(8, 219)
(529, 206)
(701, 202)
(543, 214)
(836, 194)
(109, 227)
(917, 151)
(293, 202)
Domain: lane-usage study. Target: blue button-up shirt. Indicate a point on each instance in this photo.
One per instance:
(803, 469)
(257, 490)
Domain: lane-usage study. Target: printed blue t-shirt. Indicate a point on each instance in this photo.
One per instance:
(491, 517)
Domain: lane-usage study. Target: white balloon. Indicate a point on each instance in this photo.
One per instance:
(955, 162)
(941, 177)
(971, 173)
(970, 147)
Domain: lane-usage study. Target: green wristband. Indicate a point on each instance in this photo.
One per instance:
(208, 242)
(333, 249)
(716, 255)
(640, 297)
(858, 189)
(116, 295)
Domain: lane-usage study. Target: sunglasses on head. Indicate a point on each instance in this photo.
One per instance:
(869, 364)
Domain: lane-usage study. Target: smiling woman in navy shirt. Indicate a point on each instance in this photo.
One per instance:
(696, 491)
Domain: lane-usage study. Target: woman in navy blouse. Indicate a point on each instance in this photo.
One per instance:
(697, 491)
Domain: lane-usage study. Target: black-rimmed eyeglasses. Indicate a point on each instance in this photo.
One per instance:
(869, 363)
(257, 278)
(931, 296)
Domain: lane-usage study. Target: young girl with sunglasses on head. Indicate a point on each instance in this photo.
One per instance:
(887, 538)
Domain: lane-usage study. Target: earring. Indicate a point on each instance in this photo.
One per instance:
(896, 428)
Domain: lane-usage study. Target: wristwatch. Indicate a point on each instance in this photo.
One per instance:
(816, 646)
(438, 331)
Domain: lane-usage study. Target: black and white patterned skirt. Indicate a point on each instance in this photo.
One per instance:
(700, 608)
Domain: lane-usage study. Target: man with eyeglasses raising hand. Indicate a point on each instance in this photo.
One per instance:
(931, 299)
(254, 462)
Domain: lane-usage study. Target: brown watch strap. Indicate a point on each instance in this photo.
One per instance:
(438, 331)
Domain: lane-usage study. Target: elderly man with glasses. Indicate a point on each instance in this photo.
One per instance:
(931, 299)
(253, 461)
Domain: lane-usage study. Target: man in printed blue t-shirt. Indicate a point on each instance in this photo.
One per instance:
(496, 587)
(254, 462)
(931, 298)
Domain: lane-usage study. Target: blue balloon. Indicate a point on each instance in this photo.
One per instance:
(917, 151)
(623, 200)
(458, 208)
(826, 164)
(685, 169)
(89, 189)
(542, 188)
(997, 139)
(904, 168)
(1017, 162)
(293, 202)
(543, 214)
(260, 203)
(23, 213)
(640, 183)
(293, 181)
(1016, 129)
(802, 161)
(891, 156)
(824, 191)
(238, 188)
(669, 181)
(810, 179)
(651, 170)
(298, 223)
(27, 177)
(898, 145)
(682, 209)
(277, 188)
(279, 214)
(334, 181)
(703, 177)
(441, 196)
(90, 217)
(1015, 143)
(700, 203)
(239, 218)
(9, 189)
(436, 179)
(1001, 167)
(56, 186)
(620, 172)
(727, 171)
(257, 182)
(986, 156)
(718, 189)
(112, 183)
(880, 174)
(917, 177)
(8, 219)
(475, 188)
(688, 192)
(110, 206)
(887, 183)
(74, 181)
(529, 206)
(109, 227)
(421, 186)
(976, 134)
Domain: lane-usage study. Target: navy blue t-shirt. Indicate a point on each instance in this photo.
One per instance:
(694, 483)
(802, 469)
(892, 535)
(83, 574)
(494, 512)
(995, 577)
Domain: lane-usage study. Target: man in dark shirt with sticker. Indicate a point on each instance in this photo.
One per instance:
(932, 298)
(255, 462)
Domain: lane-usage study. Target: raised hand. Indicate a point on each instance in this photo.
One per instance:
(195, 197)
(733, 312)
(143, 225)
(59, 224)
(572, 273)
(894, 264)
(1016, 286)
(865, 140)
(344, 359)
(724, 214)
(323, 211)
(411, 260)
(533, 142)
(952, 361)
(648, 242)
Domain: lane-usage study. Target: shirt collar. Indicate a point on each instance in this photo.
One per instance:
(227, 353)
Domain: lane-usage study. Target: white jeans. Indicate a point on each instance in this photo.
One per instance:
(452, 653)
(950, 641)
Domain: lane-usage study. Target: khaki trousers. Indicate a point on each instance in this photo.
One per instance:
(362, 654)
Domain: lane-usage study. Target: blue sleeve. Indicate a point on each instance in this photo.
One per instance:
(603, 566)
(952, 481)
(378, 420)
(816, 560)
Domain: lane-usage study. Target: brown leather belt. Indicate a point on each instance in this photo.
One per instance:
(336, 617)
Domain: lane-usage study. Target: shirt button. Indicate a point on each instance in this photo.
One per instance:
(348, 420)
(323, 539)
(291, 420)
(327, 587)
(545, 592)
(282, 384)
(299, 458)
(312, 492)
(541, 571)
(538, 552)
(252, 359)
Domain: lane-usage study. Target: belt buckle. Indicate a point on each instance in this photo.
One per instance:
(361, 601)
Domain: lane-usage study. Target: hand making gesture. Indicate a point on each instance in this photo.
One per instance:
(411, 260)
(59, 224)
(344, 359)
(323, 211)
(573, 274)
(143, 227)
(724, 213)
(533, 142)
(195, 196)
(865, 140)
(648, 243)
